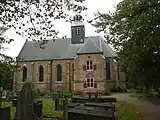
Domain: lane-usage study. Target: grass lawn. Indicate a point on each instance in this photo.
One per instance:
(48, 108)
(123, 109)
(125, 112)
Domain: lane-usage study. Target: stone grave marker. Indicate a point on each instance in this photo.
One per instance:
(24, 107)
(89, 113)
(1, 91)
(4, 94)
(5, 113)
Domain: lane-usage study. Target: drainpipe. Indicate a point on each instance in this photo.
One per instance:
(32, 72)
(51, 82)
(17, 79)
(69, 76)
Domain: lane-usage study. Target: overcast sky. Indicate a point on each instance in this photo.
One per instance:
(93, 6)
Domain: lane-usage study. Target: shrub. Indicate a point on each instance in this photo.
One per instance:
(106, 92)
(118, 89)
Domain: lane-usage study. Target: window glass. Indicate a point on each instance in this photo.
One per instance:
(78, 31)
(41, 73)
(108, 72)
(89, 82)
(24, 73)
(59, 72)
(89, 65)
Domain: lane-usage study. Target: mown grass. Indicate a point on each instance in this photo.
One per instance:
(123, 109)
(125, 112)
(48, 108)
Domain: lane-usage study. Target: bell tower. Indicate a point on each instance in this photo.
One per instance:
(77, 30)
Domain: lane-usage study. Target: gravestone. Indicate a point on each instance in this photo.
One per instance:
(4, 94)
(59, 97)
(96, 95)
(39, 107)
(5, 113)
(81, 99)
(65, 113)
(106, 106)
(1, 91)
(14, 100)
(106, 99)
(89, 113)
(24, 107)
(89, 96)
(56, 103)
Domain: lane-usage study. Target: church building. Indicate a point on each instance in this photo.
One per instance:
(78, 63)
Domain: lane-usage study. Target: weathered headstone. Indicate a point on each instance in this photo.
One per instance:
(65, 113)
(4, 94)
(90, 113)
(14, 102)
(1, 91)
(37, 105)
(25, 105)
(89, 95)
(5, 113)
(56, 103)
(96, 95)
(39, 108)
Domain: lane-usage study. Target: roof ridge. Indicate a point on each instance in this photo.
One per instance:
(83, 45)
(62, 49)
(22, 48)
(95, 44)
(100, 42)
(89, 42)
(108, 47)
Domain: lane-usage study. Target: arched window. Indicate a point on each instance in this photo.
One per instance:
(24, 73)
(41, 73)
(108, 71)
(59, 72)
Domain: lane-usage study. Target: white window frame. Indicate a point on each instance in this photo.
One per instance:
(89, 66)
(91, 82)
(78, 31)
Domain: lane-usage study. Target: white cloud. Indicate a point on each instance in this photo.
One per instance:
(64, 28)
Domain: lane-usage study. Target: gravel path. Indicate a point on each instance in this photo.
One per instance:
(149, 110)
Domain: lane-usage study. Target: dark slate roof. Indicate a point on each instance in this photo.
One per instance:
(63, 49)
(89, 47)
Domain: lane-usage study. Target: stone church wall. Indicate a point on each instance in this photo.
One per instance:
(81, 74)
(73, 74)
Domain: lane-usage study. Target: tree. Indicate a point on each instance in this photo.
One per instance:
(133, 30)
(7, 69)
(7, 64)
(34, 18)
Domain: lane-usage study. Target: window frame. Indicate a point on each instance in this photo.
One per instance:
(78, 31)
(24, 73)
(41, 73)
(59, 68)
(90, 82)
(90, 65)
(108, 70)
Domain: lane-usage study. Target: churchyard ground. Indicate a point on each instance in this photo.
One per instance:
(123, 110)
